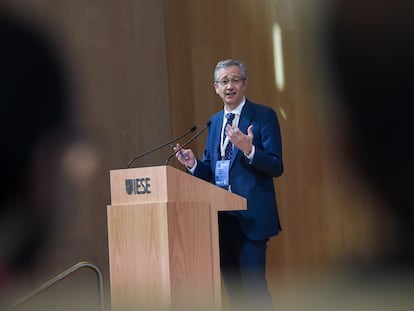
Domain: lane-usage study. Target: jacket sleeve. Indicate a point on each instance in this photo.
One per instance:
(268, 143)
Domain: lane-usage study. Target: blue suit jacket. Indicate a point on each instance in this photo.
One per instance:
(253, 181)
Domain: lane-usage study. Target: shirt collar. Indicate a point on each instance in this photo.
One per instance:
(238, 109)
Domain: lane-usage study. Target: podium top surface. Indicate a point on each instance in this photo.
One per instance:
(168, 184)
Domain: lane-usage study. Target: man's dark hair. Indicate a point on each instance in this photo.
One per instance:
(34, 105)
(33, 94)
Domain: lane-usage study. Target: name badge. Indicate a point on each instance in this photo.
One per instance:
(222, 173)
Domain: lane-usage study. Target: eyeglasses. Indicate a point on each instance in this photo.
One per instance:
(225, 82)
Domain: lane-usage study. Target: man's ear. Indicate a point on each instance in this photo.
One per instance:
(215, 86)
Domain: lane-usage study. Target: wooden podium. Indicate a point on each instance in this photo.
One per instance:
(163, 239)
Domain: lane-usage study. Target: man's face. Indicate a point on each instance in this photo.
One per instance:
(230, 86)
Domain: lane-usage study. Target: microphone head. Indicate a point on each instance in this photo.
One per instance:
(193, 128)
(208, 123)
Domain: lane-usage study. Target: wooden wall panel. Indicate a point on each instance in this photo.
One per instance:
(328, 214)
(143, 73)
(117, 54)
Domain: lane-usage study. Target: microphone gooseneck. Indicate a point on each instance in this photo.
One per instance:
(187, 142)
(160, 146)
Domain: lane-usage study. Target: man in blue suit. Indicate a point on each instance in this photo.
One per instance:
(243, 154)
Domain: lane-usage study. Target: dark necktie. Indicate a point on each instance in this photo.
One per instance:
(229, 148)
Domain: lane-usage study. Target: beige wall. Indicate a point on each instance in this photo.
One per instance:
(144, 72)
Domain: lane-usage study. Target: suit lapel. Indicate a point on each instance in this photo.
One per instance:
(244, 122)
(217, 135)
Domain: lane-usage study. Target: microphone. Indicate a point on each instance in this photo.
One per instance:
(160, 146)
(187, 142)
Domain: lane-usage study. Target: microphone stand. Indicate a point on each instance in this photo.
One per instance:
(160, 146)
(187, 142)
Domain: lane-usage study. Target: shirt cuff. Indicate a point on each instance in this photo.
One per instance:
(251, 155)
(191, 170)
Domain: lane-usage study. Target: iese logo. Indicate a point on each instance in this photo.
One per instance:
(137, 185)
